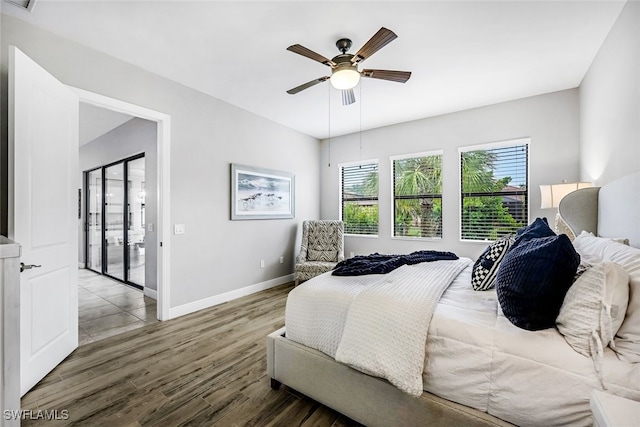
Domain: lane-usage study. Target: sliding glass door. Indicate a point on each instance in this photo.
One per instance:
(94, 220)
(115, 220)
(136, 221)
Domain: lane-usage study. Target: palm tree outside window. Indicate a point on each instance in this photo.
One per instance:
(417, 195)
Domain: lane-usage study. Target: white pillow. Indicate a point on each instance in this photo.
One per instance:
(591, 248)
(594, 308)
(627, 341)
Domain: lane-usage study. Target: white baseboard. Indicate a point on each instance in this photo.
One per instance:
(192, 307)
(151, 293)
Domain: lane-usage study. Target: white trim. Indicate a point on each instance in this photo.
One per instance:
(194, 306)
(356, 163)
(415, 155)
(417, 239)
(151, 293)
(164, 212)
(366, 236)
(493, 145)
(32, 4)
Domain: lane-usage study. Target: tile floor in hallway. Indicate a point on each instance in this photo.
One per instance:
(107, 307)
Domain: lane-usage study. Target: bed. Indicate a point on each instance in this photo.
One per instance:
(479, 369)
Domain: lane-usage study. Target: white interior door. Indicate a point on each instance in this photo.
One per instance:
(43, 142)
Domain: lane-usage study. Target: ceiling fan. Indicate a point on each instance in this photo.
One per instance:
(344, 67)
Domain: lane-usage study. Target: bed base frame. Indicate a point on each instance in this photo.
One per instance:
(363, 398)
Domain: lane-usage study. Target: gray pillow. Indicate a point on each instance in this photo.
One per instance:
(594, 308)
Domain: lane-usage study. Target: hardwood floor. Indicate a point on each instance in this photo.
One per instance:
(206, 368)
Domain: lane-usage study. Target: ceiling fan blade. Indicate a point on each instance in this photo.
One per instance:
(394, 76)
(379, 40)
(301, 50)
(307, 85)
(348, 97)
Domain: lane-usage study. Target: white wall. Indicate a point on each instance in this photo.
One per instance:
(133, 137)
(610, 103)
(551, 121)
(216, 255)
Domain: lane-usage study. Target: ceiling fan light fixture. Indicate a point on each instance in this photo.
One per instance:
(345, 78)
(344, 67)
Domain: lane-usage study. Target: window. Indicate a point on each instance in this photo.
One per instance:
(417, 195)
(494, 183)
(359, 197)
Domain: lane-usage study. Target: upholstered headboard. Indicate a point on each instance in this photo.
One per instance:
(609, 211)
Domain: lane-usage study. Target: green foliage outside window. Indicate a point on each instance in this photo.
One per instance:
(493, 194)
(492, 206)
(360, 199)
(418, 196)
(360, 219)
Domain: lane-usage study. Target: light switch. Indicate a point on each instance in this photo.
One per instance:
(178, 229)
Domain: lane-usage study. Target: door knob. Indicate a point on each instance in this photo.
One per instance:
(24, 266)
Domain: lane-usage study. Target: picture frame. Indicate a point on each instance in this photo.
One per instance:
(259, 193)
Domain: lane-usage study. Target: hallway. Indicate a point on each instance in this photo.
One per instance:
(107, 307)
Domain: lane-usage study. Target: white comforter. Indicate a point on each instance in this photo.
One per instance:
(476, 357)
(382, 320)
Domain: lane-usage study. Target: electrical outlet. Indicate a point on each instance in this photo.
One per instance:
(150, 227)
(179, 229)
(281, 259)
(261, 263)
(351, 254)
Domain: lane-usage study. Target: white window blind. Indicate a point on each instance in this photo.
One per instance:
(417, 195)
(359, 195)
(494, 190)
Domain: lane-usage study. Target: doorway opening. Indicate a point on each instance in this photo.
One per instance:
(119, 239)
(159, 163)
(115, 220)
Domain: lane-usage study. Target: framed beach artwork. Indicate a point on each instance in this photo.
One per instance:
(258, 193)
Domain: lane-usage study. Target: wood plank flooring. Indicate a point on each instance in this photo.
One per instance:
(207, 368)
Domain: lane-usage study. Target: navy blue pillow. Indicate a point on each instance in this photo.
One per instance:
(538, 228)
(533, 278)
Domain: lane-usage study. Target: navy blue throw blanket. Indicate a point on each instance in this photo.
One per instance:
(382, 264)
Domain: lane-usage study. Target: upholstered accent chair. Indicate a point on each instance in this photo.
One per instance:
(322, 248)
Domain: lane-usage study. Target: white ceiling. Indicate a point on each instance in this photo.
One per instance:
(462, 54)
(96, 121)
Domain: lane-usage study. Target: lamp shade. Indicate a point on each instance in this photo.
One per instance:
(551, 194)
(345, 78)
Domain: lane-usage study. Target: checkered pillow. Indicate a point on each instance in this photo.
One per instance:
(485, 269)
